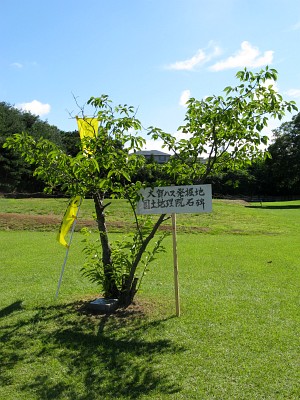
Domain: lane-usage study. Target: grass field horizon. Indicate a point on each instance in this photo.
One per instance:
(237, 337)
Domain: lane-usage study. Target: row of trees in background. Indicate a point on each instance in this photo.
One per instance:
(276, 175)
(15, 174)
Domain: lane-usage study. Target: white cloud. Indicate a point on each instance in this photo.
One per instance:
(293, 92)
(247, 56)
(16, 65)
(200, 58)
(182, 135)
(35, 107)
(185, 95)
(270, 82)
(158, 144)
(155, 145)
(188, 65)
(295, 27)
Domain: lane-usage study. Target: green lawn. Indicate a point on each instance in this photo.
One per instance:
(237, 337)
(227, 217)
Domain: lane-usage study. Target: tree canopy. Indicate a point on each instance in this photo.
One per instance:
(225, 130)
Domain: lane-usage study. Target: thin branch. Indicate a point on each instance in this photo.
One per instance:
(143, 248)
(132, 205)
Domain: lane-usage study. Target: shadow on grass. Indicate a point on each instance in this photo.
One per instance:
(16, 306)
(59, 353)
(276, 207)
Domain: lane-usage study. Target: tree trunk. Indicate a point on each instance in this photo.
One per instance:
(110, 287)
(129, 284)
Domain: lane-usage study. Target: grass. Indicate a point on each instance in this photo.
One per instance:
(237, 337)
(228, 216)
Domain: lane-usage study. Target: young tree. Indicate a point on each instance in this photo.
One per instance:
(224, 129)
(103, 169)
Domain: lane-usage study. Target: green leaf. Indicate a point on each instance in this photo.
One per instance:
(126, 175)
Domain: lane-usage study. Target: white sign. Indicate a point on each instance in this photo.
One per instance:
(175, 199)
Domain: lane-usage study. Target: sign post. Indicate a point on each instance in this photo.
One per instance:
(174, 200)
(175, 262)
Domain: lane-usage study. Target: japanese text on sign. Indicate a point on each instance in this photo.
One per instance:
(175, 199)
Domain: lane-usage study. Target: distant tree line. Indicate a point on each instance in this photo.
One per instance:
(277, 175)
(15, 174)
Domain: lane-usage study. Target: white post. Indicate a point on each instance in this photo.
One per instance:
(175, 261)
(67, 252)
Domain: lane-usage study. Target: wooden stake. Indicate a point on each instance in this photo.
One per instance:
(175, 261)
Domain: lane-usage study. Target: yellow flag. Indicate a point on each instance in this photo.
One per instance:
(88, 127)
(68, 220)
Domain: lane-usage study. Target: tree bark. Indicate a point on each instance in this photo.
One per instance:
(110, 287)
(129, 284)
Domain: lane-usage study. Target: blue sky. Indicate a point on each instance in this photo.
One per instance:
(152, 54)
